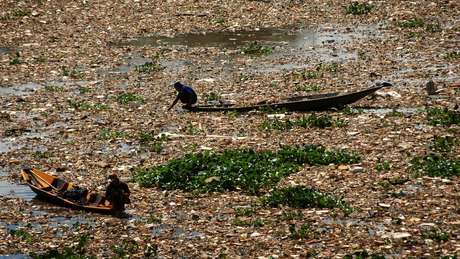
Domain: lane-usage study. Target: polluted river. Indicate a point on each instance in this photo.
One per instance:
(86, 90)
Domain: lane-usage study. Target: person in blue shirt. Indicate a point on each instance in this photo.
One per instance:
(185, 94)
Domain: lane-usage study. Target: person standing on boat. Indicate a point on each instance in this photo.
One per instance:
(185, 94)
(117, 193)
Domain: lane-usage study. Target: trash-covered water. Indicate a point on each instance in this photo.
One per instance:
(174, 232)
(6, 146)
(20, 89)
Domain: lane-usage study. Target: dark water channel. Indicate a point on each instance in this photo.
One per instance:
(292, 48)
(222, 39)
(234, 39)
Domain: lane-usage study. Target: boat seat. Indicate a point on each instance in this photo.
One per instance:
(98, 199)
(94, 198)
(60, 184)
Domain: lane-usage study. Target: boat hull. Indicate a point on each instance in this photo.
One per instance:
(306, 104)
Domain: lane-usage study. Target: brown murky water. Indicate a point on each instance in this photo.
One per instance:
(292, 49)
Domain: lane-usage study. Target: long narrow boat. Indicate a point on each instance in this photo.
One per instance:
(55, 190)
(301, 103)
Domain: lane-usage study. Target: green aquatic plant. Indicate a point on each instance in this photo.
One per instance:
(237, 169)
(256, 49)
(446, 117)
(358, 8)
(125, 98)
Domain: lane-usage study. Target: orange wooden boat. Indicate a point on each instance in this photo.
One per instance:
(56, 190)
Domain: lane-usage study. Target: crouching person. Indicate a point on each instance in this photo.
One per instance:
(117, 193)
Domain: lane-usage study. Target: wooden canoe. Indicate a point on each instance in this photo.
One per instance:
(301, 103)
(50, 188)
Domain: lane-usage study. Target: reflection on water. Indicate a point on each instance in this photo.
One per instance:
(13, 190)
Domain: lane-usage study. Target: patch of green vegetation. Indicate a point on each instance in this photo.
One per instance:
(99, 106)
(21, 13)
(395, 113)
(307, 74)
(212, 96)
(84, 90)
(125, 98)
(387, 183)
(300, 233)
(16, 60)
(70, 142)
(192, 129)
(363, 255)
(322, 121)
(308, 87)
(107, 134)
(241, 211)
(151, 251)
(54, 88)
(233, 114)
(153, 143)
(291, 215)
(156, 146)
(256, 49)
(436, 165)
(452, 55)
(414, 34)
(84, 106)
(412, 23)
(22, 234)
(443, 144)
(42, 154)
(218, 21)
(357, 8)
(276, 124)
(126, 248)
(347, 110)
(40, 59)
(72, 72)
(79, 105)
(237, 169)
(146, 137)
(304, 197)
(153, 218)
(436, 234)
(439, 116)
(244, 78)
(257, 223)
(382, 165)
(270, 110)
(328, 67)
(149, 67)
